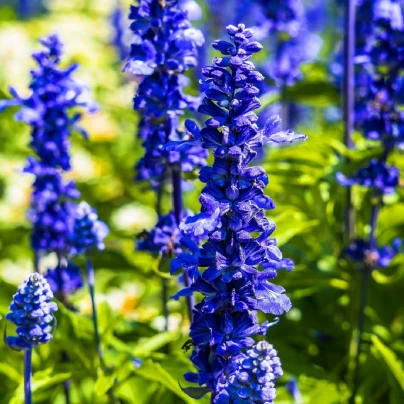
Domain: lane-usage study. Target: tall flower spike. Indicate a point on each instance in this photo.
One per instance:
(379, 115)
(51, 111)
(32, 312)
(165, 46)
(239, 234)
(88, 231)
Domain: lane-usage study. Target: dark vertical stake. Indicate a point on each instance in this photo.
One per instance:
(349, 99)
(28, 376)
(177, 203)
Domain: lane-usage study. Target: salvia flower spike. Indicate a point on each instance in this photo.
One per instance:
(52, 112)
(166, 45)
(379, 116)
(238, 233)
(32, 312)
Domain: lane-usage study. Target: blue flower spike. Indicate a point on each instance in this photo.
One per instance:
(233, 267)
(32, 312)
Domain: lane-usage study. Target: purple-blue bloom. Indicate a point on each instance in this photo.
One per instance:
(32, 312)
(359, 250)
(378, 113)
(377, 175)
(51, 111)
(250, 377)
(64, 279)
(121, 33)
(88, 231)
(228, 268)
(165, 45)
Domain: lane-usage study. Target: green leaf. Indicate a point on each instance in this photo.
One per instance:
(154, 372)
(41, 381)
(195, 392)
(104, 384)
(10, 372)
(149, 345)
(317, 94)
(390, 359)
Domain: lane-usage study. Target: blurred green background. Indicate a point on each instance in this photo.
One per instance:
(314, 339)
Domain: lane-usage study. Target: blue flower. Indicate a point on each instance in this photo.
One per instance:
(165, 38)
(165, 238)
(51, 111)
(250, 377)
(54, 94)
(64, 279)
(359, 250)
(380, 67)
(378, 115)
(88, 231)
(122, 36)
(32, 312)
(165, 46)
(376, 175)
(232, 268)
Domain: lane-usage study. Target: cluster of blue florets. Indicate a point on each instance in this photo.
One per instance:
(32, 312)
(51, 112)
(48, 111)
(232, 217)
(165, 46)
(163, 239)
(88, 231)
(250, 377)
(378, 110)
(373, 257)
(64, 279)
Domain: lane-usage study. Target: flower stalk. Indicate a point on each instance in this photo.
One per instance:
(28, 375)
(91, 288)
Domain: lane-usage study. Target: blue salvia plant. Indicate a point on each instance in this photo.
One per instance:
(380, 118)
(60, 225)
(32, 312)
(49, 110)
(239, 256)
(165, 47)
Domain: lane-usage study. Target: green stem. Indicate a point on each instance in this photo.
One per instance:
(91, 286)
(364, 288)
